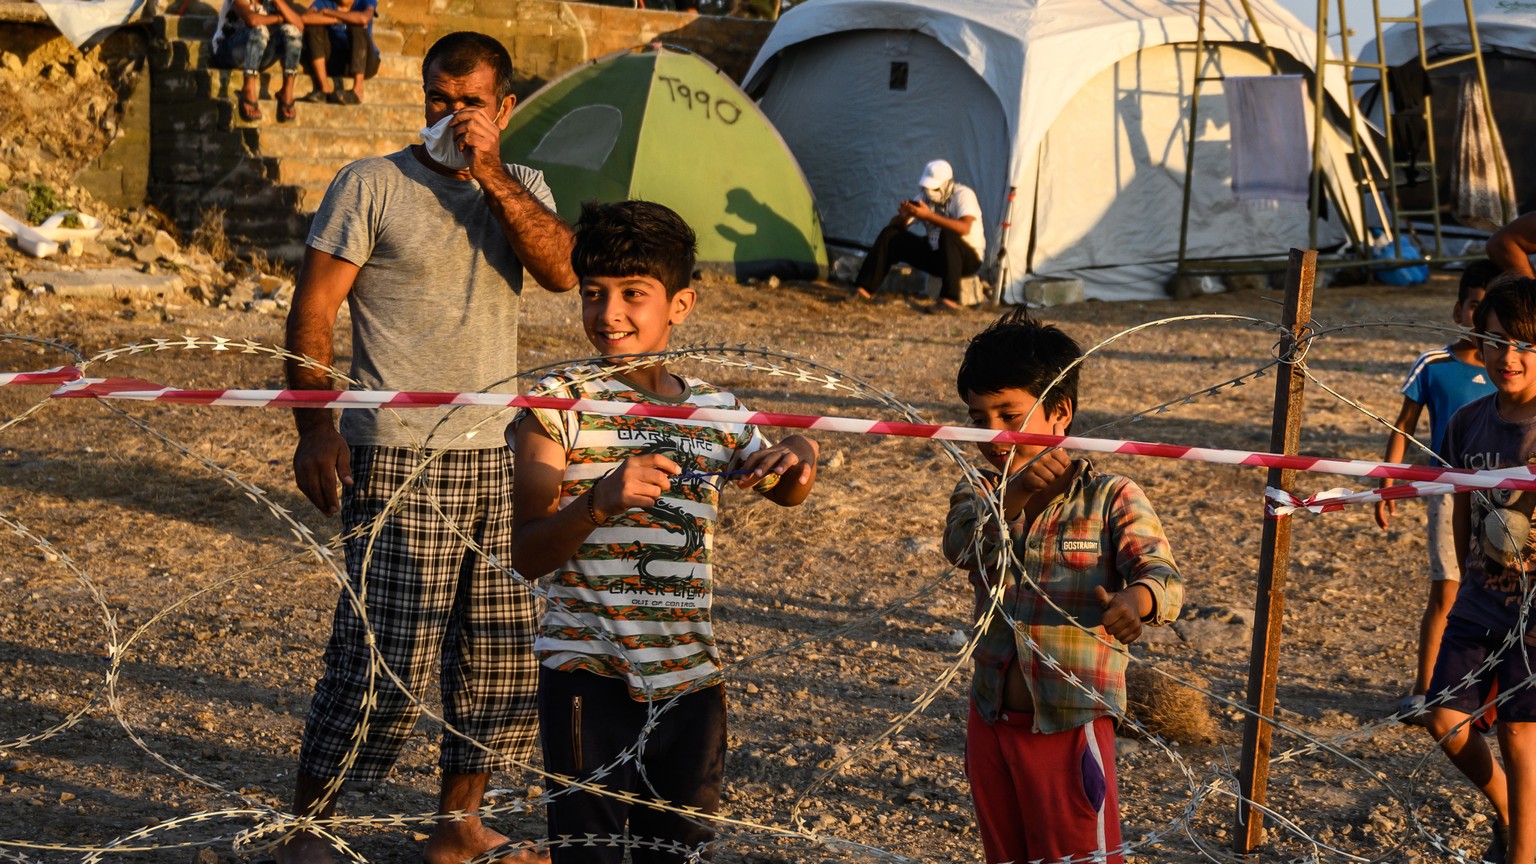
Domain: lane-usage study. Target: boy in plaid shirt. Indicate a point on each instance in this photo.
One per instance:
(1040, 748)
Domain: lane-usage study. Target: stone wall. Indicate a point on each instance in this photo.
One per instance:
(548, 37)
(117, 147)
(120, 175)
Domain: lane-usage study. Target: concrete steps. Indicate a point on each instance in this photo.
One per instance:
(266, 178)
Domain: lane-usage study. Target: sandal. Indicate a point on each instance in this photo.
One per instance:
(250, 112)
(285, 111)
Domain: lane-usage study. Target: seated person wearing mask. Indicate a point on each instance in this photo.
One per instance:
(951, 246)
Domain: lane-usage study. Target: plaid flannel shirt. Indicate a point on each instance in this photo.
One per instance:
(1100, 531)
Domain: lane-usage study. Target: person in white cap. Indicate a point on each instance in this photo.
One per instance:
(952, 244)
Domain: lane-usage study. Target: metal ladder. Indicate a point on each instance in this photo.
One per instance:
(1401, 217)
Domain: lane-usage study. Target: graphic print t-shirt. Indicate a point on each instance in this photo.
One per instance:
(1501, 547)
(634, 602)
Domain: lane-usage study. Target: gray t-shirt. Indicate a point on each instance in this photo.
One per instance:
(435, 304)
(1502, 545)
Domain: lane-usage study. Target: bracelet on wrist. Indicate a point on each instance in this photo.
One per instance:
(592, 506)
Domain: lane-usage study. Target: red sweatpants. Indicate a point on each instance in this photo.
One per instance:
(1043, 797)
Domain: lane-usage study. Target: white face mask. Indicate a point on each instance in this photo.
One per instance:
(442, 147)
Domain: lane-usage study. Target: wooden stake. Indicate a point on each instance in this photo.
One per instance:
(1274, 564)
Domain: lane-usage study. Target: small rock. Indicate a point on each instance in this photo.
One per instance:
(1207, 634)
(10, 301)
(1125, 747)
(12, 63)
(837, 460)
(208, 856)
(772, 282)
(242, 294)
(270, 284)
(535, 791)
(66, 797)
(165, 245)
(264, 305)
(74, 247)
(145, 253)
(751, 689)
(5, 173)
(846, 267)
(958, 639)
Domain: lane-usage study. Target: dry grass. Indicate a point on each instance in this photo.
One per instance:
(209, 235)
(1172, 709)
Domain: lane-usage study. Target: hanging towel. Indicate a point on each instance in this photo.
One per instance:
(1271, 153)
(1480, 178)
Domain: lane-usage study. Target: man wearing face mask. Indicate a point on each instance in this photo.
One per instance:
(427, 246)
(950, 247)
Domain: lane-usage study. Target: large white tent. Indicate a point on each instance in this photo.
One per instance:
(1506, 32)
(1079, 106)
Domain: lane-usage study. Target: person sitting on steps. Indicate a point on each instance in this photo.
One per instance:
(252, 35)
(338, 41)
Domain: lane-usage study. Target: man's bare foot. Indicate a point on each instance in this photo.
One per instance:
(456, 842)
(305, 849)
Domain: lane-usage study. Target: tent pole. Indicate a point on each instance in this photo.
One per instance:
(1319, 95)
(1002, 247)
(1194, 129)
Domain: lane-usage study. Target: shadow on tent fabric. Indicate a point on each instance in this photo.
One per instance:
(776, 248)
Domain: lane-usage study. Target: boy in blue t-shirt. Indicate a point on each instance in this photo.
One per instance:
(1442, 380)
(338, 41)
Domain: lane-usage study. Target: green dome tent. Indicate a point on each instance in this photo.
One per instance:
(669, 127)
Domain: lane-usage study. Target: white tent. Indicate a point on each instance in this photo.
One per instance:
(1503, 26)
(1506, 31)
(1081, 106)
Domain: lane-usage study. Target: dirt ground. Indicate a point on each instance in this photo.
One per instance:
(160, 629)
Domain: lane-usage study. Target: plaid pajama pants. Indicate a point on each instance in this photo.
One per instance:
(430, 601)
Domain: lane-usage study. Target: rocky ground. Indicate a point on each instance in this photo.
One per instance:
(59, 109)
(161, 627)
(840, 616)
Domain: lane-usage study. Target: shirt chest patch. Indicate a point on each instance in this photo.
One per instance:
(1079, 545)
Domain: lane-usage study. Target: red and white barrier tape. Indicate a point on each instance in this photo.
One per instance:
(55, 376)
(1282, 503)
(1523, 478)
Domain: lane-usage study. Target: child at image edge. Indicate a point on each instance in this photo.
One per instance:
(1498, 546)
(1442, 380)
(1039, 751)
(622, 511)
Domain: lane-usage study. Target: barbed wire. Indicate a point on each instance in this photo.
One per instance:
(273, 826)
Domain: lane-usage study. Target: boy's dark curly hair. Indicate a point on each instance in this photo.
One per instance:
(1018, 351)
(634, 238)
(1477, 275)
(1513, 299)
